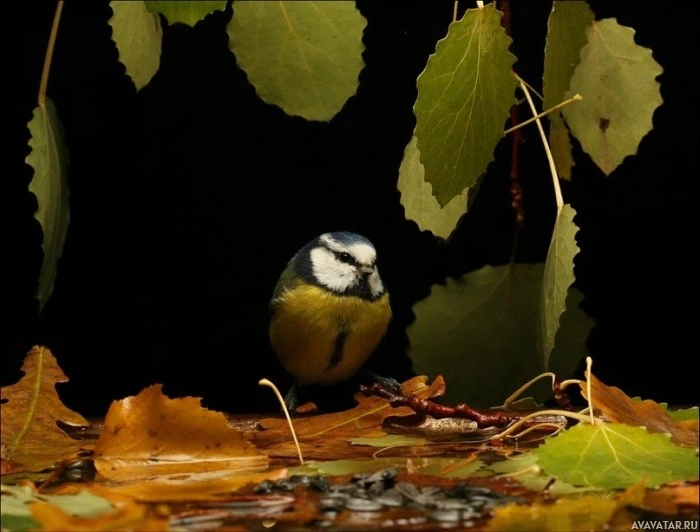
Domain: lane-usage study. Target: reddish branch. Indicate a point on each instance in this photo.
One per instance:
(516, 190)
(484, 419)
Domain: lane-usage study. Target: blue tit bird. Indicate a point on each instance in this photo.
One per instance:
(329, 311)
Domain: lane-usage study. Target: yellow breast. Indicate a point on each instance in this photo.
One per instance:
(321, 337)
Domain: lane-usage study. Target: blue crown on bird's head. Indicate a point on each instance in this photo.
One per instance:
(346, 237)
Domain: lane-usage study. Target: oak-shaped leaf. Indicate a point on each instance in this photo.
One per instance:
(363, 420)
(481, 330)
(152, 435)
(617, 79)
(615, 456)
(325, 436)
(185, 11)
(417, 197)
(618, 407)
(464, 98)
(566, 35)
(49, 159)
(31, 438)
(304, 57)
(138, 35)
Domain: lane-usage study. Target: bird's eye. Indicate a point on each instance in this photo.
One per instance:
(345, 257)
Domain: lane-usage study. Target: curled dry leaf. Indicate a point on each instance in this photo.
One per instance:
(618, 407)
(150, 434)
(31, 439)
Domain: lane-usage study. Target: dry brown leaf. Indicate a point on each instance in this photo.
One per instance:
(185, 490)
(672, 499)
(31, 439)
(150, 434)
(618, 407)
(588, 512)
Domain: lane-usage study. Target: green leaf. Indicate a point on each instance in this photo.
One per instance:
(437, 466)
(453, 467)
(682, 414)
(18, 523)
(558, 278)
(390, 440)
(49, 159)
(186, 12)
(523, 468)
(617, 79)
(347, 467)
(615, 456)
(418, 200)
(464, 97)
(481, 331)
(305, 57)
(570, 342)
(15, 501)
(566, 35)
(139, 37)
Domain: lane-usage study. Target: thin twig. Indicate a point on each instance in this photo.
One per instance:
(49, 55)
(552, 167)
(589, 364)
(574, 98)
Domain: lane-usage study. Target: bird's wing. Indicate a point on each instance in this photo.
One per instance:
(288, 280)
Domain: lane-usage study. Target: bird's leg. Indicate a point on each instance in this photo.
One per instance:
(390, 385)
(291, 399)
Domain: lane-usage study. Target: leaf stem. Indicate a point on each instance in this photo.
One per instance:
(574, 98)
(270, 384)
(552, 167)
(454, 11)
(589, 364)
(49, 55)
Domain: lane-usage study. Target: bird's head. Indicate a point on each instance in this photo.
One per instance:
(342, 262)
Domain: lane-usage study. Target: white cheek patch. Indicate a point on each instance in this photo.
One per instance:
(330, 272)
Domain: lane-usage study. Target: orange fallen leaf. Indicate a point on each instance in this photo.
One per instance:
(618, 407)
(673, 498)
(150, 434)
(31, 439)
(363, 420)
(588, 512)
(324, 436)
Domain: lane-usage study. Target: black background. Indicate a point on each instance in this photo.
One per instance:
(188, 198)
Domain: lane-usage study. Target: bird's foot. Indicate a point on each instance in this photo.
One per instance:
(389, 384)
(291, 399)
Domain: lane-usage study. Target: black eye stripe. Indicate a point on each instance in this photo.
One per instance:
(345, 257)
